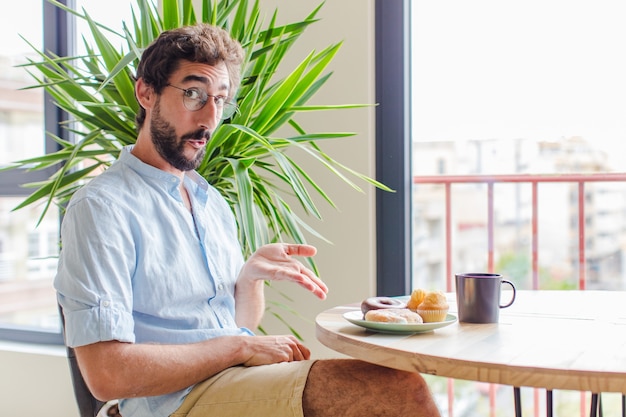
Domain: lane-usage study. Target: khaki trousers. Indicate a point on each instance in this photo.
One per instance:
(260, 391)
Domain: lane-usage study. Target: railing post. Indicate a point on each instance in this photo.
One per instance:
(581, 236)
(490, 265)
(448, 238)
(535, 237)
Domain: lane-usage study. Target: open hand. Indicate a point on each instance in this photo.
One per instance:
(276, 262)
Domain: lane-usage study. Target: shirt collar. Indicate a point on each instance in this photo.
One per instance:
(194, 182)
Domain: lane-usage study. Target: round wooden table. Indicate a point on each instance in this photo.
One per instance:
(571, 340)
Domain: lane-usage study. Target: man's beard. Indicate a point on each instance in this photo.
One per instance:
(170, 148)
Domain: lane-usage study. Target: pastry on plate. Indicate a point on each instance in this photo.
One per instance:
(393, 315)
(434, 307)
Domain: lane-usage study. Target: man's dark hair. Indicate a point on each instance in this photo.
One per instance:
(201, 43)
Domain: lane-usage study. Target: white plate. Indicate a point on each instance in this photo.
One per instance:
(356, 317)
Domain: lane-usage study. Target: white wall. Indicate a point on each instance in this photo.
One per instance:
(36, 383)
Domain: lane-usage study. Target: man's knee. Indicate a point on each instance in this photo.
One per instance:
(363, 371)
(347, 387)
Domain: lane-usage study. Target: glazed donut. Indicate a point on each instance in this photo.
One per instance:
(393, 315)
(378, 303)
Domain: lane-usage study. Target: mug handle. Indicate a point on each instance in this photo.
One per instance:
(504, 281)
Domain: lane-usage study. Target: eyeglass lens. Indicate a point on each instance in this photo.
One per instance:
(195, 99)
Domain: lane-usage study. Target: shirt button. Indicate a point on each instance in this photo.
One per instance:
(220, 287)
(106, 303)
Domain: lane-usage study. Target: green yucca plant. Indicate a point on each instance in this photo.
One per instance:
(246, 159)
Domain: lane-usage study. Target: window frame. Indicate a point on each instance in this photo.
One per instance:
(58, 38)
(393, 147)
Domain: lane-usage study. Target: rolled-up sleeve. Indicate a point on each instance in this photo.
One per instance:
(89, 324)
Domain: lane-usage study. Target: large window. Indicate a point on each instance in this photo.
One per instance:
(29, 244)
(490, 88)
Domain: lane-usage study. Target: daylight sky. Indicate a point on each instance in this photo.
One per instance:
(532, 69)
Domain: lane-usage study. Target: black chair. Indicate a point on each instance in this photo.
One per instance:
(88, 405)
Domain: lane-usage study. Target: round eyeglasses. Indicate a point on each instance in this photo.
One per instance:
(195, 98)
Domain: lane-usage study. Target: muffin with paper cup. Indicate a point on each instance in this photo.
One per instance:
(434, 307)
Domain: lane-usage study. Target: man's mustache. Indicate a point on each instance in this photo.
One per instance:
(199, 134)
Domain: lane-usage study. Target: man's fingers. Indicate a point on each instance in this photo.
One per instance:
(323, 288)
(300, 250)
(307, 279)
(304, 275)
(300, 352)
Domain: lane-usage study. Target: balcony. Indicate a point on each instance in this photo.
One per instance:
(557, 230)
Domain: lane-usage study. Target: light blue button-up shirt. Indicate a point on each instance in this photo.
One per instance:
(137, 266)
